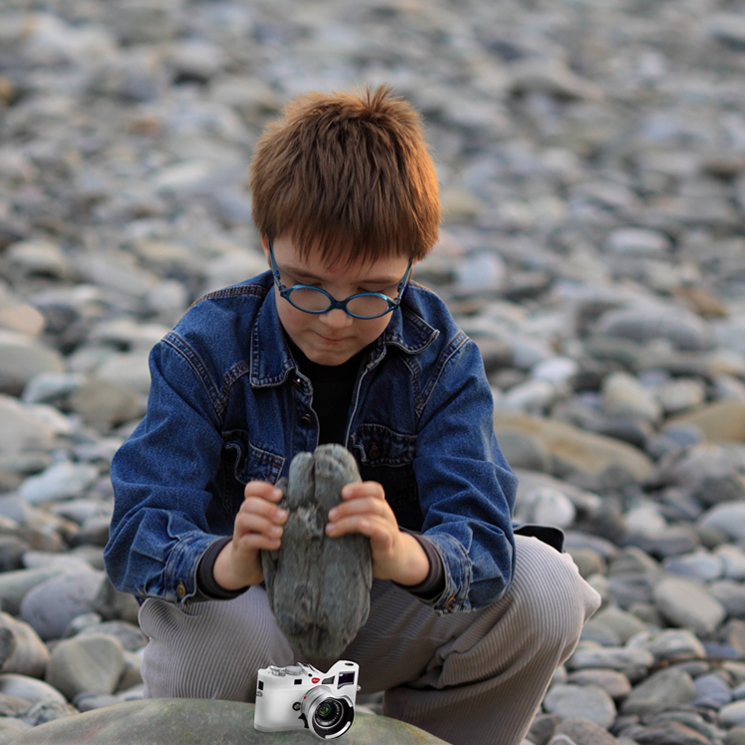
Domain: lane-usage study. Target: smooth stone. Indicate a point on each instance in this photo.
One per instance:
(590, 702)
(127, 369)
(712, 692)
(531, 397)
(732, 715)
(545, 506)
(104, 403)
(48, 711)
(14, 586)
(127, 634)
(669, 733)
(720, 421)
(684, 330)
(662, 689)
(85, 663)
(23, 686)
(21, 358)
(637, 241)
(557, 370)
(38, 257)
(11, 728)
(588, 562)
(671, 541)
(203, 722)
(611, 658)
(582, 731)
(596, 631)
(701, 566)
(671, 645)
(735, 736)
(731, 595)
(614, 683)
(624, 397)
(51, 388)
(729, 487)
(60, 481)
(26, 653)
(50, 606)
(523, 451)
(21, 428)
(12, 550)
(729, 517)
(575, 449)
(686, 603)
(680, 395)
(624, 623)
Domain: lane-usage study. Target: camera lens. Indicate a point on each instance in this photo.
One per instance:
(329, 716)
(328, 713)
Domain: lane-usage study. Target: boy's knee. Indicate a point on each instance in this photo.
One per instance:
(555, 601)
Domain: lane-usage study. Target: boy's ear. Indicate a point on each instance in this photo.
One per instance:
(265, 246)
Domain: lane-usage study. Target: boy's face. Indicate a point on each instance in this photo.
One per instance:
(334, 337)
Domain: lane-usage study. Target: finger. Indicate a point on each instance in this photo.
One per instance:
(368, 525)
(262, 489)
(256, 542)
(258, 506)
(363, 489)
(248, 522)
(363, 505)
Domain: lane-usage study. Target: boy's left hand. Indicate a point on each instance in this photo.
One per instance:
(396, 555)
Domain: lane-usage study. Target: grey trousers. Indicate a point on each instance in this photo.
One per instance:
(469, 678)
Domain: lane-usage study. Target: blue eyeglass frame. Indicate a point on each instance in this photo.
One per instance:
(333, 302)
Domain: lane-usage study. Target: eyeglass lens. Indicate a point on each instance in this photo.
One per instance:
(307, 298)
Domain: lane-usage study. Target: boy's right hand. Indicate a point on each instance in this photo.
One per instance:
(257, 526)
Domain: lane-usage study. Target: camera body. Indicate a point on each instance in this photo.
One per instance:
(302, 697)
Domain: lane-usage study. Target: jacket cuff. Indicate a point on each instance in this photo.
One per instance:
(434, 583)
(207, 587)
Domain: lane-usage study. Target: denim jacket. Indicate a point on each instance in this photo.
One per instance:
(227, 405)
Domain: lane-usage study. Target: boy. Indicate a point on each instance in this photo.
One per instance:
(335, 344)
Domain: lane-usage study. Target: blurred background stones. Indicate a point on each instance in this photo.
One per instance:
(592, 164)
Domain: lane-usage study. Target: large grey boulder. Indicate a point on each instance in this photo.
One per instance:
(204, 722)
(318, 587)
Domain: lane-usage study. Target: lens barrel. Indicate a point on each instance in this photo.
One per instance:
(328, 715)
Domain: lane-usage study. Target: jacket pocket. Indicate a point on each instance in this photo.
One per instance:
(387, 456)
(241, 462)
(247, 462)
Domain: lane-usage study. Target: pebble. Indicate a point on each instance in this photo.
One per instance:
(593, 189)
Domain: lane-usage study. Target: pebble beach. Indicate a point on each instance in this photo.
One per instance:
(591, 155)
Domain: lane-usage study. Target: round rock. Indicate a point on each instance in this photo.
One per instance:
(86, 663)
(203, 722)
(50, 606)
(590, 702)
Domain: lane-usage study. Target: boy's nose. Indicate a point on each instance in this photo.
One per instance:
(336, 318)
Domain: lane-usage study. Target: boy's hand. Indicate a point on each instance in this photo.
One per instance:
(395, 555)
(258, 525)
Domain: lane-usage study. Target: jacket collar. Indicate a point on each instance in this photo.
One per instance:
(271, 362)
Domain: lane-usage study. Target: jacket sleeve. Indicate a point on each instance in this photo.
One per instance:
(160, 476)
(466, 489)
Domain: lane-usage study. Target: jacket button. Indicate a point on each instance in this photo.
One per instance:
(298, 382)
(374, 451)
(181, 589)
(450, 603)
(305, 420)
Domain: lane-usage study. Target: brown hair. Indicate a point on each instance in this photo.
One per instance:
(347, 169)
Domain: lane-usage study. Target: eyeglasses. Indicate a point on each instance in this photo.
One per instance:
(315, 300)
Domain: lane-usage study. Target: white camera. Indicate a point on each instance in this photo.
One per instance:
(301, 697)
